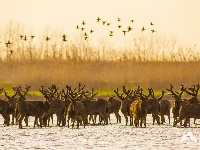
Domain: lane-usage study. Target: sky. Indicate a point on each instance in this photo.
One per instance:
(180, 18)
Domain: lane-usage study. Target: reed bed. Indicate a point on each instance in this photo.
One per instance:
(148, 60)
(99, 74)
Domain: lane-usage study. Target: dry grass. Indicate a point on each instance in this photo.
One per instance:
(148, 60)
(98, 74)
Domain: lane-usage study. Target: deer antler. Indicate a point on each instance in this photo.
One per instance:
(120, 96)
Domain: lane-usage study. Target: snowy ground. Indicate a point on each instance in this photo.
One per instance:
(112, 136)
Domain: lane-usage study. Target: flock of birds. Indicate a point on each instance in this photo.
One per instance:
(82, 27)
(111, 32)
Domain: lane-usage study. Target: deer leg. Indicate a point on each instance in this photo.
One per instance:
(68, 121)
(162, 119)
(20, 121)
(6, 118)
(26, 120)
(194, 120)
(145, 121)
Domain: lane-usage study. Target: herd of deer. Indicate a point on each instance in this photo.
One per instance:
(80, 106)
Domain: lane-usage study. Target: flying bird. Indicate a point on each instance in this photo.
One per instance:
(91, 31)
(98, 19)
(86, 34)
(21, 36)
(86, 37)
(152, 24)
(124, 32)
(129, 28)
(47, 38)
(143, 29)
(111, 33)
(11, 51)
(25, 38)
(119, 26)
(118, 19)
(64, 38)
(8, 43)
(32, 36)
(103, 22)
(83, 23)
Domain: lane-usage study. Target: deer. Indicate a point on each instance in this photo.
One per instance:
(94, 107)
(164, 107)
(30, 108)
(177, 102)
(57, 106)
(76, 109)
(194, 93)
(115, 107)
(4, 109)
(138, 110)
(127, 101)
(13, 101)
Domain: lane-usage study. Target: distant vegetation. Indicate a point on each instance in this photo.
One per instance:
(149, 59)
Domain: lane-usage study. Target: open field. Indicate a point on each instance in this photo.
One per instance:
(149, 62)
(102, 76)
(112, 136)
(130, 61)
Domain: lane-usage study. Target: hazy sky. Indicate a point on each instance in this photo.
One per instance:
(171, 17)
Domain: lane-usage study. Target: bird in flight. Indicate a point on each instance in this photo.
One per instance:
(98, 19)
(86, 34)
(11, 51)
(32, 36)
(111, 33)
(103, 22)
(124, 32)
(64, 38)
(83, 23)
(151, 24)
(47, 38)
(118, 19)
(91, 31)
(25, 38)
(86, 37)
(119, 26)
(21, 36)
(143, 29)
(129, 28)
(8, 43)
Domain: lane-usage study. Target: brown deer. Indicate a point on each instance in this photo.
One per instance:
(177, 102)
(76, 110)
(30, 108)
(187, 111)
(138, 110)
(4, 109)
(193, 91)
(57, 106)
(164, 107)
(115, 107)
(127, 100)
(13, 102)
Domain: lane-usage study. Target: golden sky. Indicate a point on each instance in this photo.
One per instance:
(171, 17)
